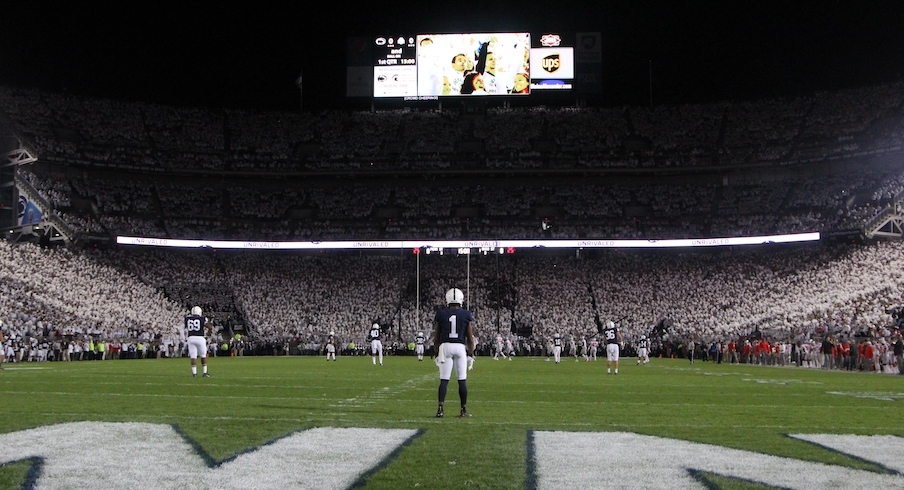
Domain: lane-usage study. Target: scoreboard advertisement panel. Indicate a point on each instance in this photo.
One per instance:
(430, 66)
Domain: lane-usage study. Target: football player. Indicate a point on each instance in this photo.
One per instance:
(196, 325)
(499, 349)
(557, 347)
(419, 342)
(376, 345)
(613, 340)
(453, 334)
(331, 347)
(572, 348)
(643, 350)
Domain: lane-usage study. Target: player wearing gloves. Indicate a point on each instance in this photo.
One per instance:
(195, 325)
(453, 333)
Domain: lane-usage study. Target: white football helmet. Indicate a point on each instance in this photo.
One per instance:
(455, 296)
(610, 324)
(196, 310)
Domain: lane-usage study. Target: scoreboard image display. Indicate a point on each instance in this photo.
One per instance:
(473, 64)
(430, 66)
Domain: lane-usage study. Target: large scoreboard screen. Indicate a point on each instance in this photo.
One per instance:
(430, 66)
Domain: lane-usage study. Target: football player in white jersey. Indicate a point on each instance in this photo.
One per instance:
(419, 342)
(195, 328)
(376, 345)
(331, 347)
(499, 349)
(572, 348)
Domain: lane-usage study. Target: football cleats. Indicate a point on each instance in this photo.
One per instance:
(196, 310)
(454, 296)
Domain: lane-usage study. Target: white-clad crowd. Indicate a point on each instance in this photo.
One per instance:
(118, 134)
(142, 169)
(108, 204)
(789, 293)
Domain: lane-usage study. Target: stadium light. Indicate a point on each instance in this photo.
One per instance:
(440, 245)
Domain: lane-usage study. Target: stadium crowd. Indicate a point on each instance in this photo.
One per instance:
(118, 134)
(108, 168)
(794, 296)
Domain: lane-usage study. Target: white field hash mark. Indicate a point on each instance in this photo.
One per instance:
(875, 395)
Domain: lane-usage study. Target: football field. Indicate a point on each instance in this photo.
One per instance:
(304, 422)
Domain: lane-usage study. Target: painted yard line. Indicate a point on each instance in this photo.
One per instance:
(392, 397)
(428, 418)
(383, 394)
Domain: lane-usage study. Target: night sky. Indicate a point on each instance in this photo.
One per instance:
(248, 55)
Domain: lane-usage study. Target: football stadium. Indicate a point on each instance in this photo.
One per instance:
(700, 295)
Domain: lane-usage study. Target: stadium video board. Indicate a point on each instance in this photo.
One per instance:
(430, 66)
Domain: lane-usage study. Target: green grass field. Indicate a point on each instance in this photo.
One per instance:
(251, 401)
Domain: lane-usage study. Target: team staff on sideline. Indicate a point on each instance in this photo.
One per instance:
(453, 333)
(613, 340)
(196, 325)
(2, 346)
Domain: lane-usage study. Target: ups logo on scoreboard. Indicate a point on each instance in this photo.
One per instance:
(551, 63)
